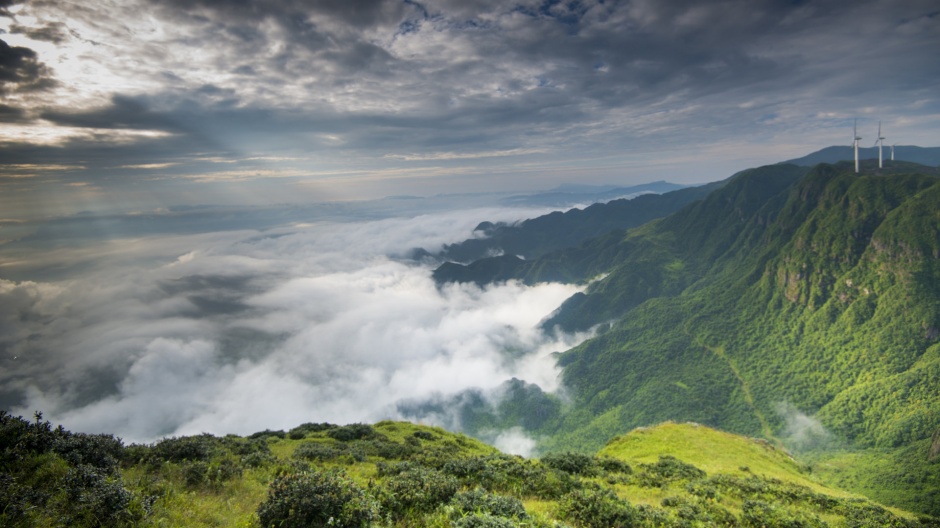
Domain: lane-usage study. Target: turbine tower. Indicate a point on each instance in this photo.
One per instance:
(880, 142)
(892, 152)
(855, 144)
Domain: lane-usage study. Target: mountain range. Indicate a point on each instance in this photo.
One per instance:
(798, 304)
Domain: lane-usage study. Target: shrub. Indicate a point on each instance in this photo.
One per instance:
(258, 459)
(267, 433)
(418, 489)
(759, 514)
(597, 508)
(667, 469)
(318, 451)
(303, 429)
(194, 473)
(185, 448)
(479, 501)
(613, 465)
(423, 435)
(96, 500)
(483, 520)
(574, 463)
(316, 499)
(98, 450)
(351, 432)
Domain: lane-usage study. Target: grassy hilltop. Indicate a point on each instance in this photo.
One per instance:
(401, 474)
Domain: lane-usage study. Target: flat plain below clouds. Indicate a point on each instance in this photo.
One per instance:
(240, 331)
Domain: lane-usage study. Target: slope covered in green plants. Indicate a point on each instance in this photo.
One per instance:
(802, 308)
(400, 474)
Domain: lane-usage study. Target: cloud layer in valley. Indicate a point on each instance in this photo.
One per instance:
(241, 331)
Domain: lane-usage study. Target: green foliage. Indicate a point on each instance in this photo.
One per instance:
(597, 508)
(574, 463)
(479, 501)
(316, 498)
(668, 469)
(350, 432)
(785, 303)
(53, 477)
(417, 490)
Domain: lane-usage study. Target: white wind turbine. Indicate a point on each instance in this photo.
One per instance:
(880, 142)
(892, 152)
(855, 143)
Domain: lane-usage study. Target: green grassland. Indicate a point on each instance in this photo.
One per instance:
(401, 474)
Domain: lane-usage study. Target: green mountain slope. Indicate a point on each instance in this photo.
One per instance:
(775, 299)
(536, 236)
(401, 474)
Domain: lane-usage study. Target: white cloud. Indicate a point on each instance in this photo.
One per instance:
(243, 331)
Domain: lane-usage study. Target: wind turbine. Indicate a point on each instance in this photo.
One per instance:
(880, 142)
(892, 152)
(855, 144)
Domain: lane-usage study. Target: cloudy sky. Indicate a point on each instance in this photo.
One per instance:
(136, 104)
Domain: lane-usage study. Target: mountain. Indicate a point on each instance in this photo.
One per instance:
(799, 305)
(535, 237)
(401, 474)
(570, 194)
(929, 156)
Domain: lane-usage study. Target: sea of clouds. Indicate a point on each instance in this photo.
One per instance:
(244, 330)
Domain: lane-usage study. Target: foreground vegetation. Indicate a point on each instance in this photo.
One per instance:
(400, 474)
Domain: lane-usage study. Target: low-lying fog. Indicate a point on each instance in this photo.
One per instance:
(237, 331)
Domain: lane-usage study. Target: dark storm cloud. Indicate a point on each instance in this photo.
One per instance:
(122, 112)
(55, 32)
(11, 114)
(21, 71)
(5, 6)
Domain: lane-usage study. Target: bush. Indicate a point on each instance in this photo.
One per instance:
(185, 448)
(96, 500)
(423, 435)
(667, 469)
(316, 499)
(258, 459)
(613, 465)
(318, 451)
(483, 520)
(194, 473)
(597, 508)
(351, 432)
(267, 433)
(303, 429)
(98, 450)
(479, 501)
(418, 489)
(574, 463)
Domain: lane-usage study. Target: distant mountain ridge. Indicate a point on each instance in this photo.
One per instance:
(536, 236)
(929, 156)
(570, 194)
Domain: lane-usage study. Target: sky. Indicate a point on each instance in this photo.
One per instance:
(136, 105)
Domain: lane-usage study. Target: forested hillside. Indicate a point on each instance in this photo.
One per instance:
(779, 300)
(537, 236)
